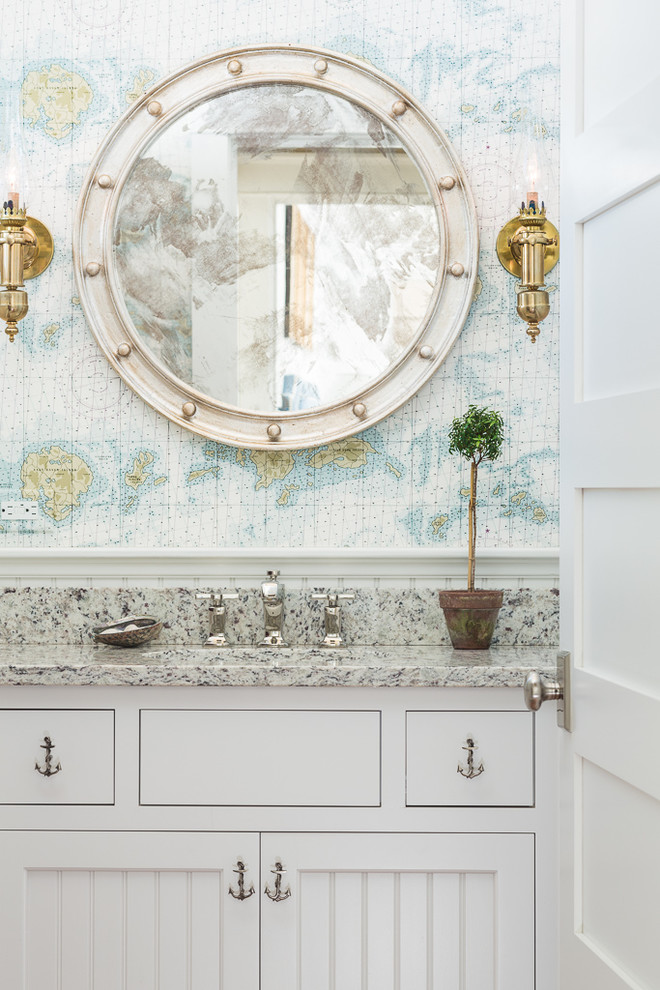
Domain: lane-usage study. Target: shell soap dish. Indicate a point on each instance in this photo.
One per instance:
(131, 631)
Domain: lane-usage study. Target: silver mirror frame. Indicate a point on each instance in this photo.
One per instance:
(97, 280)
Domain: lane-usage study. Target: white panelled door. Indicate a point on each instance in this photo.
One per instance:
(398, 911)
(82, 910)
(610, 560)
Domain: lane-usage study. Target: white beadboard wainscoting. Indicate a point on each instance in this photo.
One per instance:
(422, 568)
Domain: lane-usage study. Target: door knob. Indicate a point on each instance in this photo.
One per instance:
(538, 689)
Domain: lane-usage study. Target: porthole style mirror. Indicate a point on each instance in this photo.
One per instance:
(276, 246)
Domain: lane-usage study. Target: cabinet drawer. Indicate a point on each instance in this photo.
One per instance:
(275, 758)
(438, 743)
(83, 743)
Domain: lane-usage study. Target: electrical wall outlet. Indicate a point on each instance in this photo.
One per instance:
(19, 509)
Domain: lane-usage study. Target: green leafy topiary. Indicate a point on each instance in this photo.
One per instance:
(477, 436)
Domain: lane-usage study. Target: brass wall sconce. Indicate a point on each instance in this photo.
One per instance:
(26, 244)
(528, 245)
(26, 249)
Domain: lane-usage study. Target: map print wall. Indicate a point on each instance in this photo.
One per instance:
(104, 469)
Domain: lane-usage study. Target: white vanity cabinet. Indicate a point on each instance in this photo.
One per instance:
(391, 860)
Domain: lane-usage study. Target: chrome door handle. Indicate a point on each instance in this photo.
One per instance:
(538, 689)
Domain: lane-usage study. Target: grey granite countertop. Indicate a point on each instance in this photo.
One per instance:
(184, 666)
(61, 616)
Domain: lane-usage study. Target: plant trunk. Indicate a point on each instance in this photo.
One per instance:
(472, 513)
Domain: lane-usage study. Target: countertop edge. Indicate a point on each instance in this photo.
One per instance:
(139, 675)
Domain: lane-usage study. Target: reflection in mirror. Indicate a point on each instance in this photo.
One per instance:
(277, 248)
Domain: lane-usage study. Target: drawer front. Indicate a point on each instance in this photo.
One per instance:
(502, 748)
(274, 758)
(83, 744)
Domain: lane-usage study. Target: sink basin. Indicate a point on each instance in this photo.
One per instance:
(252, 656)
(299, 656)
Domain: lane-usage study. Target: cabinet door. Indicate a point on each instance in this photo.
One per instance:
(398, 912)
(134, 911)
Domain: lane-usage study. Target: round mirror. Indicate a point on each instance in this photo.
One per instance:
(277, 252)
(276, 246)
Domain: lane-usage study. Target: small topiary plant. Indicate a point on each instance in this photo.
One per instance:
(477, 436)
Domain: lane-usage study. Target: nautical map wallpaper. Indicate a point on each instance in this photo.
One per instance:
(104, 469)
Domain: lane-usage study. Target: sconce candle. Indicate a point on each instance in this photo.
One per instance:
(26, 245)
(528, 245)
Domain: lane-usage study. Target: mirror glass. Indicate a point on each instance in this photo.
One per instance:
(276, 248)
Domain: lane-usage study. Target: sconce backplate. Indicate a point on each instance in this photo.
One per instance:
(45, 248)
(510, 256)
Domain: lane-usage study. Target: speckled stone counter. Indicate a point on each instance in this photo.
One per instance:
(396, 666)
(529, 617)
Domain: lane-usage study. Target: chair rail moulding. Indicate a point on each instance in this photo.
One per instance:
(424, 567)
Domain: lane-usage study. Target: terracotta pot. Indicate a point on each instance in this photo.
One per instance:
(471, 617)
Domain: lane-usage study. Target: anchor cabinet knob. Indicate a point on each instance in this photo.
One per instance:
(241, 894)
(48, 770)
(278, 894)
(468, 769)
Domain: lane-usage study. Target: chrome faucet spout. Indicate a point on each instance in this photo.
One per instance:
(270, 587)
(272, 597)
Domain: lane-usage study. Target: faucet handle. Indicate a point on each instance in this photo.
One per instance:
(217, 597)
(217, 615)
(333, 599)
(332, 615)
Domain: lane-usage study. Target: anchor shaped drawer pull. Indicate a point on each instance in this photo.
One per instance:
(470, 770)
(242, 894)
(278, 894)
(47, 770)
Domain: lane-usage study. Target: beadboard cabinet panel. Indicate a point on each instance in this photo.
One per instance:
(365, 911)
(399, 912)
(129, 910)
